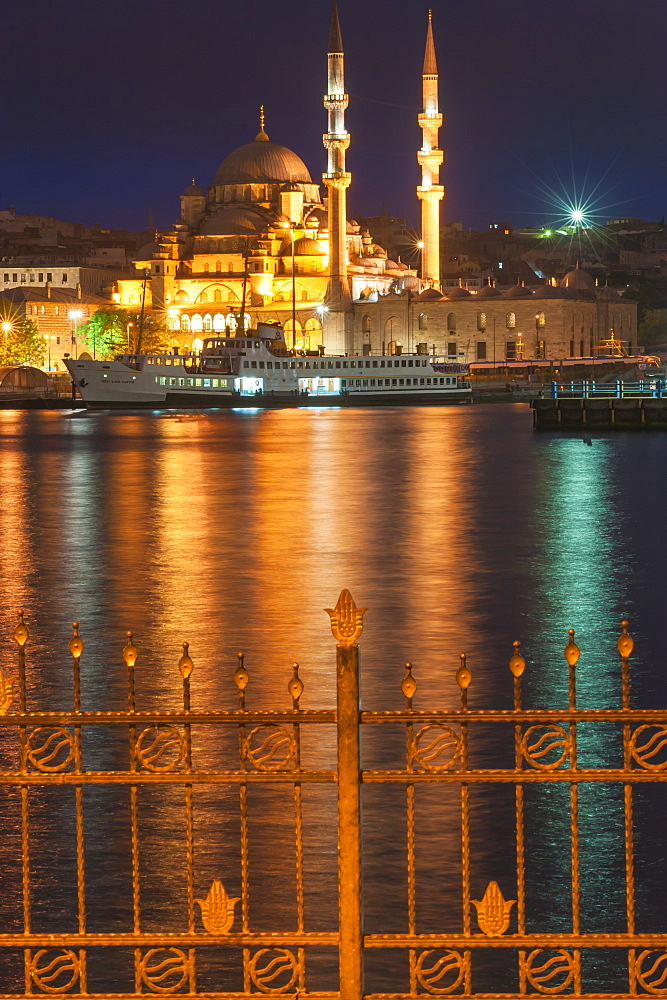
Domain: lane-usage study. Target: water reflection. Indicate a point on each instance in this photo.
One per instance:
(458, 528)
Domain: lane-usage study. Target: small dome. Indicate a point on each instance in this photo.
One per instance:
(550, 292)
(457, 293)
(379, 252)
(318, 217)
(430, 295)
(391, 265)
(517, 292)
(578, 281)
(260, 162)
(488, 292)
(307, 247)
(290, 187)
(148, 251)
(193, 191)
(607, 294)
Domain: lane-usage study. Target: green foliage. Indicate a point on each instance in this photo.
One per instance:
(24, 345)
(105, 333)
(155, 338)
(653, 327)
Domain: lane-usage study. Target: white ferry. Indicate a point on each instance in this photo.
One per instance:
(256, 369)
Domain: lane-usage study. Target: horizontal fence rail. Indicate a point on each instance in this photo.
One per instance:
(618, 389)
(206, 942)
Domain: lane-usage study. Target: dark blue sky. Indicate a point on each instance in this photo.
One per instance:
(110, 108)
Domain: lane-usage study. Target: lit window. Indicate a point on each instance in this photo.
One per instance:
(511, 320)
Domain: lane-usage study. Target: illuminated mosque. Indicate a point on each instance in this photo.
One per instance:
(261, 243)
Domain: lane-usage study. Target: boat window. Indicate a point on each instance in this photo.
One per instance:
(257, 344)
(245, 364)
(401, 381)
(421, 381)
(387, 381)
(372, 381)
(428, 381)
(403, 364)
(338, 364)
(393, 381)
(198, 383)
(207, 383)
(285, 364)
(261, 364)
(253, 364)
(344, 364)
(269, 364)
(375, 364)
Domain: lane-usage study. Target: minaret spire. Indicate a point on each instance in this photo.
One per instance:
(430, 158)
(261, 135)
(336, 140)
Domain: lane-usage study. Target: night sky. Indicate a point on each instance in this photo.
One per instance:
(111, 107)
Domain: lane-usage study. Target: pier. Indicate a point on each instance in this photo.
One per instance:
(614, 405)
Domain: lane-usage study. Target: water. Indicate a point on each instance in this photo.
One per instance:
(459, 528)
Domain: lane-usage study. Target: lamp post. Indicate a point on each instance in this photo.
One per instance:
(420, 247)
(127, 330)
(290, 227)
(75, 315)
(48, 340)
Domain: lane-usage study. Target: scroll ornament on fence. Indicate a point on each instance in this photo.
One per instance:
(347, 620)
(6, 693)
(217, 910)
(493, 911)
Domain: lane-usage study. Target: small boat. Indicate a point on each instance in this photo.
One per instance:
(256, 369)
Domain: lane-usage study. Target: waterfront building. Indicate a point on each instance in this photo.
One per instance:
(261, 244)
(58, 313)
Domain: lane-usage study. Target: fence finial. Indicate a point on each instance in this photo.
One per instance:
(517, 663)
(241, 675)
(347, 620)
(185, 664)
(21, 632)
(76, 642)
(295, 685)
(130, 651)
(571, 651)
(463, 675)
(625, 643)
(408, 685)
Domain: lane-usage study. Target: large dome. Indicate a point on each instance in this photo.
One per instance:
(261, 162)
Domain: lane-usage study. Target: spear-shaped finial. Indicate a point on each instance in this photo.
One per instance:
(335, 37)
(261, 135)
(430, 62)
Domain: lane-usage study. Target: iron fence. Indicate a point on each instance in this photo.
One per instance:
(162, 754)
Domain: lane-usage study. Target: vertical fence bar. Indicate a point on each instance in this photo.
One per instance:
(241, 679)
(347, 625)
(185, 666)
(572, 654)
(295, 688)
(130, 654)
(517, 667)
(463, 679)
(625, 646)
(21, 637)
(409, 688)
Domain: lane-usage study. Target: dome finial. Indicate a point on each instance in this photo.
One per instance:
(261, 135)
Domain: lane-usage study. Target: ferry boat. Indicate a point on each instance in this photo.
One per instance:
(255, 368)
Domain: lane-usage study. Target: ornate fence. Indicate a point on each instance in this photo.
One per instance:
(163, 753)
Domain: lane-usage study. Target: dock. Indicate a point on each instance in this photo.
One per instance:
(617, 405)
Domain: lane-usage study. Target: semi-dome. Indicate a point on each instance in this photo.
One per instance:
(607, 294)
(233, 221)
(261, 162)
(458, 293)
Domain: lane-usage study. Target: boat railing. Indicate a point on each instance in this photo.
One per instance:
(617, 389)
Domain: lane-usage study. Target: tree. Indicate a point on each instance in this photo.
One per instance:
(23, 345)
(653, 327)
(155, 337)
(105, 333)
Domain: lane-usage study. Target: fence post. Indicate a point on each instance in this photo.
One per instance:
(347, 625)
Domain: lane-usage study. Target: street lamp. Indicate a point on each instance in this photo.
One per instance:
(48, 340)
(127, 330)
(420, 247)
(287, 225)
(74, 315)
(6, 329)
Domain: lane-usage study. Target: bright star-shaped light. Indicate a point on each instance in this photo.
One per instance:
(577, 215)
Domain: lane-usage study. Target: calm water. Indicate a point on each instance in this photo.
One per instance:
(459, 528)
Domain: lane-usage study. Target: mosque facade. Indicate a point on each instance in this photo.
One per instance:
(262, 244)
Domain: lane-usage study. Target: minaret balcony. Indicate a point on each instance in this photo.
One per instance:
(435, 192)
(336, 102)
(431, 158)
(430, 119)
(340, 181)
(336, 140)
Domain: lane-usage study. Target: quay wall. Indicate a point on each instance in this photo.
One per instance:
(599, 414)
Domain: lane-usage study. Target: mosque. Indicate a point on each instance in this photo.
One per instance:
(261, 243)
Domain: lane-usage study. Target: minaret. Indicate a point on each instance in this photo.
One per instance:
(429, 157)
(337, 319)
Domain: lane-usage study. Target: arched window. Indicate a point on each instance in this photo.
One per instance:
(279, 297)
(230, 321)
(423, 321)
(451, 322)
(218, 266)
(231, 267)
(540, 319)
(181, 296)
(208, 323)
(304, 296)
(203, 297)
(248, 194)
(313, 326)
(57, 310)
(218, 322)
(217, 295)
(510, 320)
(197, 323)
(185, 324)
(205, 268)
(172, 322)
(133, 297)
(197, 344)
(481, 321)
(366, 324)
